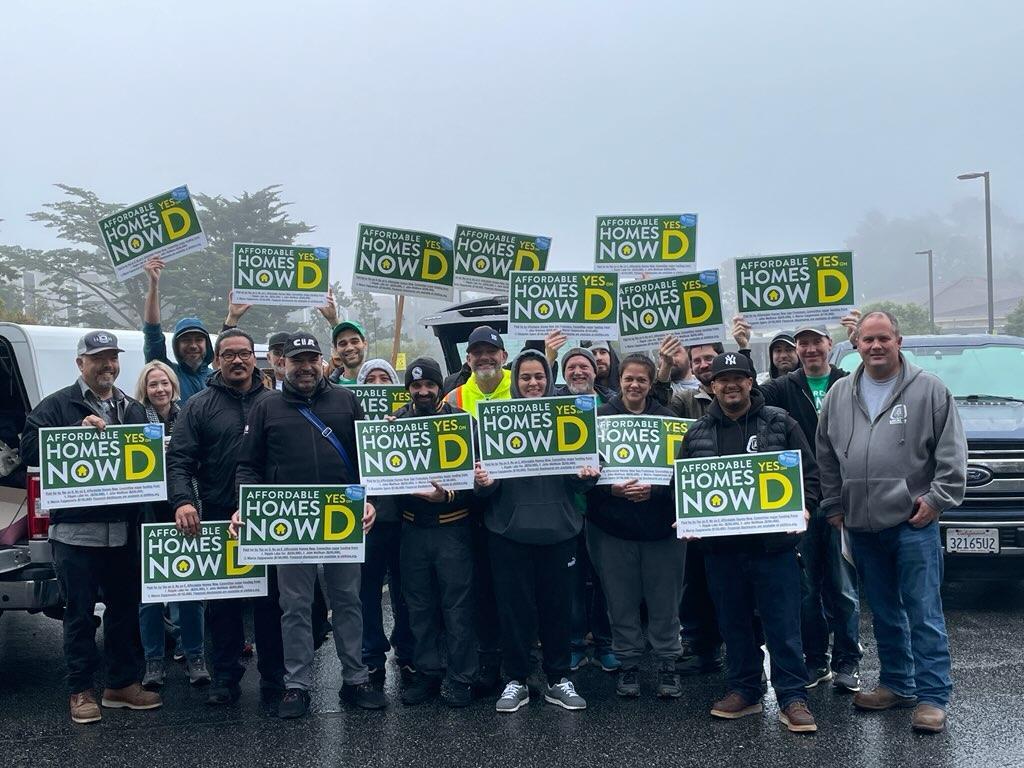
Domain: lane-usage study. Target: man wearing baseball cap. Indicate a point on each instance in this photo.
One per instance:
(486, 356)
(437, 566)
(349, 341)
(95, 548)
(782, 357)
(754, 571)
(275, 355)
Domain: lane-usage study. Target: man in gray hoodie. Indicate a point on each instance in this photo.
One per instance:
(893, 457)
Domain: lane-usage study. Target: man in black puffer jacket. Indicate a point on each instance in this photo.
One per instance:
(755, 571)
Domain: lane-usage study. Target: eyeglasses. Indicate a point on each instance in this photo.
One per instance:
(242, 354)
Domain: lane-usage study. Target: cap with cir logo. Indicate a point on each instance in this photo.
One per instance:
(423, 368)
(95, 342)
(731, 362)
(300, 343)
(484, 334)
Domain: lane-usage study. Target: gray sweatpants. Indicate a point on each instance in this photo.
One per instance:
(341, 582)
(635, 572)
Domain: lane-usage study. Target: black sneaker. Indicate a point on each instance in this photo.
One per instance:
(407, 670)
(692, 663)
(456, 694)
(846, 677)
(628, 684)
(817, 675)
(295, 703)
(377, 677)
(423, 688)
(363, 695)
(222, 693)
(487, 681)
(668, 682)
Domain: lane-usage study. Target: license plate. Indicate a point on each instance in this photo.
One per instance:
(972, 540)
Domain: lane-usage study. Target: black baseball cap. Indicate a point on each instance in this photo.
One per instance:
(484, 334)
(820, 330)
(786, 337)
(278, 339)
(95, 342)
(298, 343)
(424, 368)
(731, 362)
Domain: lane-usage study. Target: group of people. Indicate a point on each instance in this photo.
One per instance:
(476, 578)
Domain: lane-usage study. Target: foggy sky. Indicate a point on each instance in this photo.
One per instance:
(780, 124)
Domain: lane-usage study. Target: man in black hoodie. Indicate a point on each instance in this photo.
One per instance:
(437, 565)
(755, 571)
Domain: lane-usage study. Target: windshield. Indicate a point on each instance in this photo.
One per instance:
(987, 370)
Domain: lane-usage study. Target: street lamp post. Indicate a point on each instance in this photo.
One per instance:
(931, 288)
(988, 243)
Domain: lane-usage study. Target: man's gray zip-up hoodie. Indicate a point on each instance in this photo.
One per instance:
(872, 472)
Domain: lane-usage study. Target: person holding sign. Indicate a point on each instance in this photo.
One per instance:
(532, 525)
(755, 571)
(349, 341)
(95, 552)
(306, 435)
(486, 356)
(635, 551)
(893, 458)
(437, 566)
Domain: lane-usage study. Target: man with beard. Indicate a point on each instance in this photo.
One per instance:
(607, 366)
(288, 437)
(275, 356)
(349, 342)
(486, 356)
(437, 566)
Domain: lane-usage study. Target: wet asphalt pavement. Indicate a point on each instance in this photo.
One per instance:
(986, 625)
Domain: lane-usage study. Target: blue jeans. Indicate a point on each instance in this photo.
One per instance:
(901, 568)
(829, 598)
(383, 548)
(589, 608)
(741, 582)
(189, 619)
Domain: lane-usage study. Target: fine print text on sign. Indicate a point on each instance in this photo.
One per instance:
(787, 291)
(575, 303)
(485, 257)
(641, 448)
(286, 524)
(688, 307)
(404, 262)
(177, 567)
(406, 455)
(745, 493)
(379, 400)
(538, 436)
(654, 244)
(164, 226)
(279, 275)
(85, 466)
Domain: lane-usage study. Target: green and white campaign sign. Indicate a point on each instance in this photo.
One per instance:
(485, 257)
(406, 455)
(288, 524)
(576, 303)
(787, 291)
(538, 436)
(403, 262)
(379, 400)
(84, 466)
(656, 244)
(745, 493)
(639, 447)
(279, 275)
(178, 567)
(686, 306)
(164, 226)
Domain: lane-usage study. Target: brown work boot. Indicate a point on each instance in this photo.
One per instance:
(84, 708)
(928, 718)
(734, 706)
(133, 696)
(882, 698)
(798, 718)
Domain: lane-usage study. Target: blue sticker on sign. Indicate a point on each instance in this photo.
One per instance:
(709, 277)
(789, 458)
(355, 492)
(446, 243)
(585, 402)
(688, 219)
(542, 242)
(180, 194)
(321, 253)
(153, 431)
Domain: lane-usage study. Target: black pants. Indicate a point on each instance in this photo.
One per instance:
(383, 563)
(533, 584)
(437, 582)
(488, 626)
(88, 575)
(226, 630)
(697, 619)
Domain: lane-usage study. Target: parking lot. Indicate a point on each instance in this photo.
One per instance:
(986, 623)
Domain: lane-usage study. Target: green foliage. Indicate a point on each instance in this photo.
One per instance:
(1015, 320)
(913, 318)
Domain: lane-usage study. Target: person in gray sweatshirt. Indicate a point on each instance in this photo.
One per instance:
(893, 457)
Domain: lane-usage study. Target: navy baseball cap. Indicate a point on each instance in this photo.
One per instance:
(484, 334)
(731, 362)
